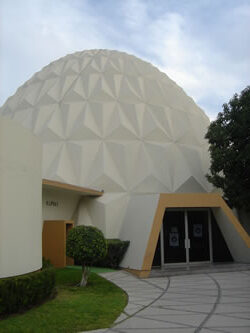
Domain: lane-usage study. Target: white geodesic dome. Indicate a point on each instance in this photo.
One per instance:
(111, 121)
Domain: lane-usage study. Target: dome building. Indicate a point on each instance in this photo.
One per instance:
(124, 150)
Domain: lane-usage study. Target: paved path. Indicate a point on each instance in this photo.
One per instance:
(216, 302)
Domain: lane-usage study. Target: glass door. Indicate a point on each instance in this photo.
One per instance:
(174, 237)
(198, 234)
(186, 236)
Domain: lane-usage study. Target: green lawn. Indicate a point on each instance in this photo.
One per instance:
(74, 309)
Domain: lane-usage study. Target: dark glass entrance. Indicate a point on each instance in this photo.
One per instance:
(198, 234)
(174, 237)
(185, 236)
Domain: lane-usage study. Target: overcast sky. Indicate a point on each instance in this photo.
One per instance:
(203, 45)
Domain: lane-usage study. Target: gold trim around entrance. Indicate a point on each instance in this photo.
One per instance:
(186, 200)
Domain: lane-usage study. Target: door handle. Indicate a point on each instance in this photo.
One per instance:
(187, 243)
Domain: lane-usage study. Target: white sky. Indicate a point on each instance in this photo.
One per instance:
(203, 45)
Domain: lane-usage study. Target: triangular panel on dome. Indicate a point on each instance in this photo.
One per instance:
(94, 111)
(179, 121)
(85, 127)
(65, 169)
(55, 91)
(102, 92)
(89, 160)
(91, 80)
(84, 133)
(140, 166)
(157, 135)
(66, 83)
(23, 103)
(130, 67)
(191, 137)
(193, 157)
(153, 93)
(57, 67)
(150, 125)
(107, 184)
(122, 133)
(109, 81)
(99, 61)
(46, 99)
(72, 67)
(127, 92)
(135, 86)
(46, 86)
(42, 116)
(178, 166)
(161, 117)
(97, 165)
(111, 67)
(55, 123)
(79, 87)
(45, 74)
(129, 115)
(111, 117)
(117, 62)
(72, 96)
(161, 168)
(191, 185)
(114, 163)
(150, 185)
(188, 138)
(74, 151)
(70, 114)
(199, 127)
(117, 126)
(103, 169)
(48, 135)
(84, 62)
(31, 95)
(52, 152)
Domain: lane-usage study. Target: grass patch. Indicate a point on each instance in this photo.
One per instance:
(74, 309)
(96, 269)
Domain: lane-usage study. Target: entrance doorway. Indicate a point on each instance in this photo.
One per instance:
(186, 237)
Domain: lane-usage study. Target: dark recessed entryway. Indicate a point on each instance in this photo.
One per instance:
(190, 236)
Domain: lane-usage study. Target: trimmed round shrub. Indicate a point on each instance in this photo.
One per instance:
(87, 245)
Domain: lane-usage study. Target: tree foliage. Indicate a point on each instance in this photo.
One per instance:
(229, 139)
(86, 244)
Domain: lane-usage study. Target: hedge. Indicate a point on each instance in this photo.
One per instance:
(116, 251)
(20, 293)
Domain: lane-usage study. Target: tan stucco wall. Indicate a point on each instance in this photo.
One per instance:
(20, 200)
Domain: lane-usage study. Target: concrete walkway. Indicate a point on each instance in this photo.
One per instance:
(212, 302)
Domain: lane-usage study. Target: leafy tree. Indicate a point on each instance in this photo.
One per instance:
(86, 245)
(229, 139)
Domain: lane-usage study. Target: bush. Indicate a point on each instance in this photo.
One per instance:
(116, 251)
(86, 244)
(46, 263)
(22, 292)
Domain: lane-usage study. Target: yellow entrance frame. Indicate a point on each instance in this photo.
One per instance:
(184, 200)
